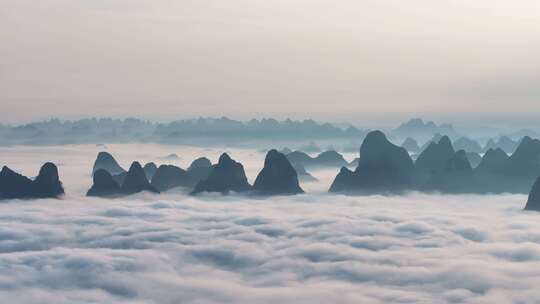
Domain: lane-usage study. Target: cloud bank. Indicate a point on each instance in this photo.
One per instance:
(313, 248)
(305, 249)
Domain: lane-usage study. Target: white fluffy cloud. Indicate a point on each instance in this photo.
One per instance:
(313, 248)
(310, 248)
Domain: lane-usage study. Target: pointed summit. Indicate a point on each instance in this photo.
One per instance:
(525, 161)
(14, 185)
(47, 183)
(227, 175)
(435, 156)
(493, 162)
(107, 162)
(135, 180)
(533, 203)
(277, 177)
(383, 167)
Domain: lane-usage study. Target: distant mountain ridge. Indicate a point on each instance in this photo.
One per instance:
(101, 130)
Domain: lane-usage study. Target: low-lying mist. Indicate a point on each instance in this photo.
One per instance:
(312, 248)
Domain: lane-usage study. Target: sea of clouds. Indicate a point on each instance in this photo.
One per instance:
(312, 248)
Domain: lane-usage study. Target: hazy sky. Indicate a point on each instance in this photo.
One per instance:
(252, 58)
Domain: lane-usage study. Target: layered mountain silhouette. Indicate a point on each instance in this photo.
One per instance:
(433, 159)
(468, 145)
(136, 181)
(199, 170)
(107, 162)
(421, 130)
(516, 173)
(383, 167)
(456, 176)
(168, 177)
(440, 168)
(278, 176)
(303, 175)
(411, 145)
(226, 176)
(436, 138)
(329, 158)
(201, 162)
(133, 181)
(504, 142)
(46, 185)
(494, 162)
(149, 170)
(474, 158)
(104, 185)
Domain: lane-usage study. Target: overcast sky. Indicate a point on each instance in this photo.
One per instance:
(251, 58)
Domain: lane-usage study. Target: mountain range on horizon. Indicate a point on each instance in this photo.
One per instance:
(308, 135)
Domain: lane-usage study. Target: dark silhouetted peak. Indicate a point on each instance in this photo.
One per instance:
(107, 162)
(149, 170)
(435, 156)
(494, 161)
(345, 181)
(47, 183)
(456, 176)
(435, 139)
(459, 163)
(104, 185)
(227, 175)
(14, 185)
(225, 159)
(383, 167)
(119, 178)
(199, 170)
(278, 176)
(525, 162)
(411, 145)
(377, 152)
(201, 162)
(136, 181)
(527, 151)
(168, 177)
(375, 138)
(533, 203)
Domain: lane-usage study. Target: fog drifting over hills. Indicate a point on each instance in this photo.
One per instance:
(229, 249)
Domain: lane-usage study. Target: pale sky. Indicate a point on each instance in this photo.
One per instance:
(251, 58)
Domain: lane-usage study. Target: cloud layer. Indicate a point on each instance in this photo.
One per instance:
(313, 248)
